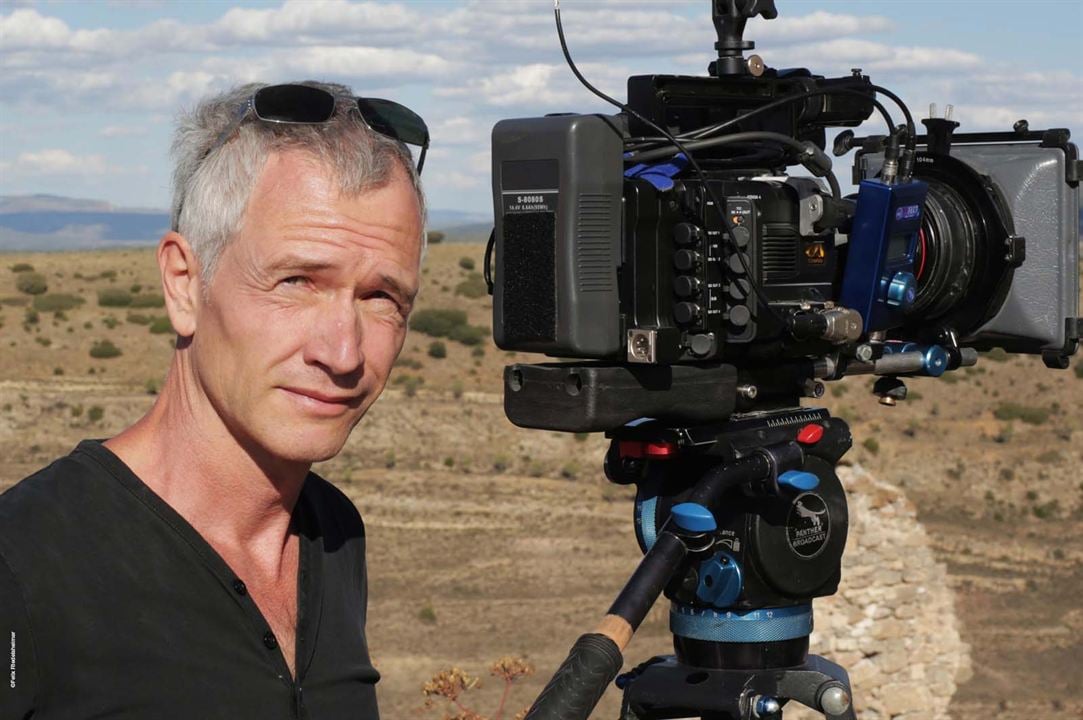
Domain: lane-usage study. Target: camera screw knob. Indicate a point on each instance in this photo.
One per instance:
(686, 285)
(687, 234)
(686, 260)
(686, 313)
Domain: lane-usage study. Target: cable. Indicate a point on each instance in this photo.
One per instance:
(712, 129)
(801, 147)
(727, 226)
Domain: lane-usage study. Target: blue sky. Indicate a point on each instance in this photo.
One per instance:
(88, 90)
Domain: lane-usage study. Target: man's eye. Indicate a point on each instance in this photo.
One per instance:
(294, 280)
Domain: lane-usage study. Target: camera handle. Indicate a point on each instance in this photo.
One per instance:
(596, 658)
(729, 17)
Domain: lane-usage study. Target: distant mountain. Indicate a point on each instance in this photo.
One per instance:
(53, 222)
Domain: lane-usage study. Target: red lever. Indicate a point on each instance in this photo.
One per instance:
(810, 434)
(639, 449)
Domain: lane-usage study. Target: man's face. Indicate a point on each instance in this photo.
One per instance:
(307, 309)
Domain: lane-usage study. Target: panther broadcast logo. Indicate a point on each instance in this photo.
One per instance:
(808, 526)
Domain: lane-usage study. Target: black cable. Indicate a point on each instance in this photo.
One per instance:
(712, 129)
(726, 225)
(801, 147)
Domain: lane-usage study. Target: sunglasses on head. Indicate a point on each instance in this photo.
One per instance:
(307, 105)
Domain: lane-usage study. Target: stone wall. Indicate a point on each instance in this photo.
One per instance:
(892, 625)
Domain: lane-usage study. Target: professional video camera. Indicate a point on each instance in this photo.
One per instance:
(709, 291)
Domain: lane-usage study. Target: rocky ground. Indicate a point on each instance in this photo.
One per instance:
(489, 540)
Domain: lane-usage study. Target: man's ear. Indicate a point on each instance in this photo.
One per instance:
(179, 268)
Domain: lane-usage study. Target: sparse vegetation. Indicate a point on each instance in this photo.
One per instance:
(448, 323)
(1029, 414)
(445, 691)
(104, 349)
(95, 413)
(114, 297)
(473, 286)
(57, 302)
(147, 300)
(22, 267)
(427, 614)
(872, 445)
(437, 350)
(466, 263)
(31, 283)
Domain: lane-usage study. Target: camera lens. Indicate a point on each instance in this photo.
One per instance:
(946, 252)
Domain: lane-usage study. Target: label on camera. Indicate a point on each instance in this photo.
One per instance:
(809, 525)
(544, 201)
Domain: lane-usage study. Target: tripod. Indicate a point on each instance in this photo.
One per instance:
(742, 524)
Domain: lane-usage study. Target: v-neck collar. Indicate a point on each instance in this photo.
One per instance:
(305, 520)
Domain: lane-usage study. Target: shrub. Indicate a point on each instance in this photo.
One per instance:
(469, 334)
(466, 263)
(437, 322)
(31, 283)
(22, 267)
(149, 300)
(437, 350)
(408, 362)
(76, 410)
(996, 355)
(1027, 413)
(872, 445)
(500, 463)
(478, 351)
(110, 322)
(472, 287)
(449, 462)
(457, 389)
(57, 302)
(427, 615)
(151, 387)
(108, 274)
(161, 326)
(95, 413)
(435, 236)
(135, 288)
(1078, 369)
(138, 319)
(43, 341)
(114, 297)
(15, 301)
(58, 371)
(31, 317)
(104, 349)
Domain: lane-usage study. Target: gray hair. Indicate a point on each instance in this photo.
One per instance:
(211, 191)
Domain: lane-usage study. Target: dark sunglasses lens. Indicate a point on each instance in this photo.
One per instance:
(394, 120)
(294, 104)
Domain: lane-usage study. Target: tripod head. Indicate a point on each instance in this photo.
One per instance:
(729, 17)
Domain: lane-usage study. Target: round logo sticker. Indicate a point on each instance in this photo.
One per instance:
(809, 525)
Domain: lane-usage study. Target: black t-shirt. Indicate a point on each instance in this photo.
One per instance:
(112, 605)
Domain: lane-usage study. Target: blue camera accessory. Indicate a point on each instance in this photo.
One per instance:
(879, 279)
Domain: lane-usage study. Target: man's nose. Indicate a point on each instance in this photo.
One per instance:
(335, 338)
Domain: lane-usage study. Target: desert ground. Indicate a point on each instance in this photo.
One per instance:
(486, 540)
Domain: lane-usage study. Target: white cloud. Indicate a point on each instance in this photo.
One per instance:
(837, 56)
(531, 88)
(314, 21)
(121, 131)
(459, 130)
(57, 161)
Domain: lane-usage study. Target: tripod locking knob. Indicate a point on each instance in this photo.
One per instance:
(799, 480)
(693, 518)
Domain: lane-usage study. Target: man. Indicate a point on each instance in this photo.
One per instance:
(192, 566)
